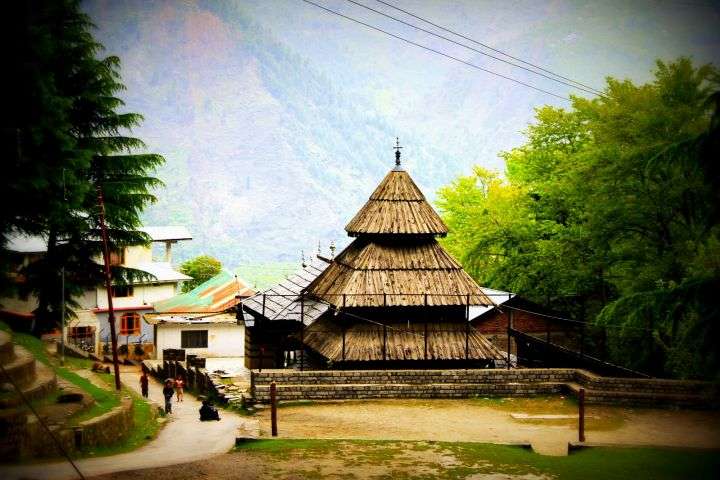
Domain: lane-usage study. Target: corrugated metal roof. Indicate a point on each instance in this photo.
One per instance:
(194, 319)
(21, 243)
(282, 301)
(162, 271)
(166, 233)
(216, 295)
(497, 296)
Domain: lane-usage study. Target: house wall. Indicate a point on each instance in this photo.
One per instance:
(137, 254)
(142, 295)
(104, 328)
(224, 339)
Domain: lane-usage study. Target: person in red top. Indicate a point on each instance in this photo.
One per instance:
(179, 384)
(144, 384)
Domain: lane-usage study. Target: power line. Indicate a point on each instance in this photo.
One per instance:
(398, 37)
(594, 90)
(563, 82)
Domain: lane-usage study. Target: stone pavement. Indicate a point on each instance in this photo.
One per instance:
(184, 438)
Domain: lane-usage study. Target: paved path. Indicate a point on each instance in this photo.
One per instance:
(183, 439)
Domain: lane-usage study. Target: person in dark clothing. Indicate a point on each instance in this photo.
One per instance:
(208, 411)
(144, 384)
(168, 392)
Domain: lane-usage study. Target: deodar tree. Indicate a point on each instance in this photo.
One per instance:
(65, 138)
(609, 214)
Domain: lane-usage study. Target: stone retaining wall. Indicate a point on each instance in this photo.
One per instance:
(366, 384)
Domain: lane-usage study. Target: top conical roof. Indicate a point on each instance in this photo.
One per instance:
(397, 206)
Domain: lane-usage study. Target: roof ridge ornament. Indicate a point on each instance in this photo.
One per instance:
(397, 148)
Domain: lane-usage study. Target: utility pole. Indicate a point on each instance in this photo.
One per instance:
(108, 286)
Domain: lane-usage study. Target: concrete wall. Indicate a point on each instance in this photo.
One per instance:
(224, 339)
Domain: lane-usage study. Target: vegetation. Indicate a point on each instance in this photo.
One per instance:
(609, 213)
(463, 460)
(66, 143)
(201, 269)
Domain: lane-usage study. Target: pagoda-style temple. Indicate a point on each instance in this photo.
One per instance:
(394, 297)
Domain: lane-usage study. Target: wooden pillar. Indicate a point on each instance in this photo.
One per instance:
(344, 328)
(547, 341)
(467, 328)
(425, 338)
(384, 342)
(302, 332)
(510, 325)
(581, 415)
(273, 409)
(582, 340)
(263, 305)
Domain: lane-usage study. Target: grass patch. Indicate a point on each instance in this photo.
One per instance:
(405, 459)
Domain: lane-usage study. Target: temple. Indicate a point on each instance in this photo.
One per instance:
(393, 298)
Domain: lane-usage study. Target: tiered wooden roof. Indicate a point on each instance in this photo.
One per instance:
(396, 260)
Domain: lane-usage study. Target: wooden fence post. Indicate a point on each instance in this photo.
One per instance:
(273, 409)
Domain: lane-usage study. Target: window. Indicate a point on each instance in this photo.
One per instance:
(193, 339)
(81, 332)
(117, 257)
(122, 291)
(130, 324)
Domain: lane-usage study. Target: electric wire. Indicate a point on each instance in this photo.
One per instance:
(496, 50)
(437, 52)
(563, 82)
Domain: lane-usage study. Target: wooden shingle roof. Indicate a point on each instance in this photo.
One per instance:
(397, 206)
(387, 272)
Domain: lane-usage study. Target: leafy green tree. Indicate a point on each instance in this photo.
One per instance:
(66, 142)
(201, 269)
(612, 217)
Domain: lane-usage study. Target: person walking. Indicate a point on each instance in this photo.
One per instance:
(179, 385)
(144, 383)
(168, 392)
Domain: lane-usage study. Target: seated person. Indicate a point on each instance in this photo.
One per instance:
(208, 411)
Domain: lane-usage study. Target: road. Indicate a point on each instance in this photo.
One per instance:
(183, 439)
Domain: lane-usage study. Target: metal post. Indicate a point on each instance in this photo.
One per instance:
(581, 415)
(273, 409)
(302, 332)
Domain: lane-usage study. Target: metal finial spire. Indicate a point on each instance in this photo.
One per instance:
(332, 249)
(302, 258)
(397, 148)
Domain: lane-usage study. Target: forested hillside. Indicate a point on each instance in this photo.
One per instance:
(277, 120)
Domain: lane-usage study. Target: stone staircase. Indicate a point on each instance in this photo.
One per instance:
(20, 368)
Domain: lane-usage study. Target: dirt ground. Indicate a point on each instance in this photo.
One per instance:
(490, 421)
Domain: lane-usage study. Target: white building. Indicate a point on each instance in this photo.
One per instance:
(91, 329)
